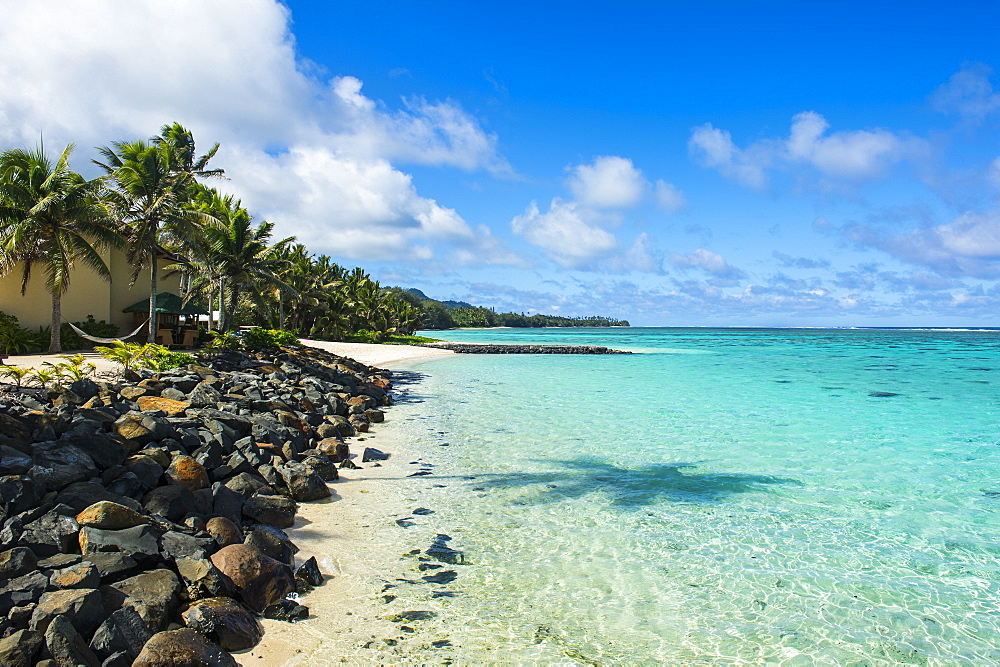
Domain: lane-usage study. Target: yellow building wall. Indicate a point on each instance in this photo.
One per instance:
(88, 294)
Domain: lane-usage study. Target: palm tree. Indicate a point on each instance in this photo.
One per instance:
(153, 187)
(241, 255)
(52, 217)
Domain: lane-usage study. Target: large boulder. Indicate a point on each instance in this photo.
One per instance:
(203, 580)
(108, 515)
(81, 495)
(182, 648)
(17, 561)
(82, 575)
(224, 621)
(185, 471)
(174, 545)
(58, 464)
(276, 510)
(170, 407)
(154, 595)
(260, 579)
(139, 542)
(123, 631)
(50, 534)
(82, 607)
(223, 531)
(272, 542)
(67, 646)
(303, 482)
(19, 648)
(171, 502)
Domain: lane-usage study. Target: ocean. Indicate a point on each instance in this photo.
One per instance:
(721, 496)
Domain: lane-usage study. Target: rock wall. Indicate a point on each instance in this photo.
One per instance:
(130, 508)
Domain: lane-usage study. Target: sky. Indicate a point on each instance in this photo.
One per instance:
(669, 163)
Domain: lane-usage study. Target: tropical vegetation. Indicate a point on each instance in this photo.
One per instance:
(153, 200)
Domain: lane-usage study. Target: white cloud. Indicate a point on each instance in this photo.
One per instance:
(610, 182)
(714, 148)
(668, 197)
(853, 155)
(968, 93)
(973, 235)
(568, 231)
(708, 261)
(319, 159)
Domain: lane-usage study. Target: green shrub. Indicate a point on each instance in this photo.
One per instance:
(14, 339)
(164, 361)
(260, 337)
(224, 340)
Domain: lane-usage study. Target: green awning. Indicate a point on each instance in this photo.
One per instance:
(167, 302)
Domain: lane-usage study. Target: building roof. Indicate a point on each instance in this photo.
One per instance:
(167, 302)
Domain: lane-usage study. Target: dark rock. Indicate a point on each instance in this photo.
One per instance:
(59, 561)
(17, 561)
(303, 482)
(204, 395)
(224, 621)
(308, 576)
(372, 454)
(227, 503)
(85, 388)
(275, 510)
(80, 606)
(26, 589)
(140, 542)
(224, 531)
(123, 631)
(118, 659)
(247, 484)
(127, 485)
(261, 580)
(444, 577)
(13, 461)
(176, 545)
(81, 495)
(286, 610)
(323, 467)
(112, 566)
(375, 416)
(202, 579)
(66, 645)
(20, 493)
(51, 534)
(171, 502)
(82, 575)
(104, 450)
(58, 464)
(19, 648)
(182, 648)
(146, 469)
(272, 542)
(154, 595)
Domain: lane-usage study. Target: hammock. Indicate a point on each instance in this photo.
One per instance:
(83, 334)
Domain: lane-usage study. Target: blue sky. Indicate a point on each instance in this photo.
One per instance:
(782, 163)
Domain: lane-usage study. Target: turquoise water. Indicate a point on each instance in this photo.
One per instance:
(794, 496)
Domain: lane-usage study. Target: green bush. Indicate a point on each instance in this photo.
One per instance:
(14, 339)
(165, 360)
(260, 337)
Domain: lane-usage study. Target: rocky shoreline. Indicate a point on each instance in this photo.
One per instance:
(142, 520)
(493, 348)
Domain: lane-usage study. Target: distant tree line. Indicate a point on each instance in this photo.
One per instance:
(442, 315)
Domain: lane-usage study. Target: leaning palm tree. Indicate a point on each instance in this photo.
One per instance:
(50, 216)
(153, 184)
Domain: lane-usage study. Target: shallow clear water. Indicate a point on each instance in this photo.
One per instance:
(794, 496)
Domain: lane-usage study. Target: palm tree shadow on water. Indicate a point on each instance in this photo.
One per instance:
(628, 487)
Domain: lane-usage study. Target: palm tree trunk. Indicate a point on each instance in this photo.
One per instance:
(281, 310)
(55, 344)
(152, 296)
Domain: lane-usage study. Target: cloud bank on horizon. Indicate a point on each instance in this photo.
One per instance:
(710, 221)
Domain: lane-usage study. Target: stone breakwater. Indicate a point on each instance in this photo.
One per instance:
(142, 520)
(490, 348)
